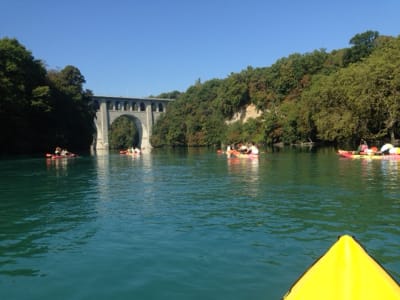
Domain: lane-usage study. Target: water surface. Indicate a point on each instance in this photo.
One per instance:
(187, 224)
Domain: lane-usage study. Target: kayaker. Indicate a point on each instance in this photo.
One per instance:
(363, 147)
(57, 151)
(243, 148)
(253, 149)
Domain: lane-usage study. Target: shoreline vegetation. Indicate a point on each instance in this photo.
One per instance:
(330, 98)
(39, 108)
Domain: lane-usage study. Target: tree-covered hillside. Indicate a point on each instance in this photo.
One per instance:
(334, 97)
(40, 109)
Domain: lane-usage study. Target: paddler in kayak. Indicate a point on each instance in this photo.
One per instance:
(64, 152)
(253, 149)
(363, 147)
(58, 151)
(243, 148)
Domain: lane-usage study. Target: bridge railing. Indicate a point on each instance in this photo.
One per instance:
(131, 104)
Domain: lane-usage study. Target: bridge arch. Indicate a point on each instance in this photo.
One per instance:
(144, 111)
(137, 123)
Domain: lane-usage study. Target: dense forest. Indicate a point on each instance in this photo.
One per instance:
(329, 97)
(333, 98)
(41, 109)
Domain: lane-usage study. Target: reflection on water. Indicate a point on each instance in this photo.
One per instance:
(379, 176)
(59, 165)
(247, 171)
(390, 174)
(103, 174)
(246, 165)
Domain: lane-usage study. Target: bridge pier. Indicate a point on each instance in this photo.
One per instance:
(102, 124)
(144, 111)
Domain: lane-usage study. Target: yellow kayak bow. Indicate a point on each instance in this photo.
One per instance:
(345, 271)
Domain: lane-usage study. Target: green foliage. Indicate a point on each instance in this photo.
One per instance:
(41, 109)
(328, 97)
(123, 133)
(252, 132)
(234, 133)
(319, 96)
(170, 95)
(232, 94)
(20, 75)
(73, 113)
(361, 100)
(363, 45)
(191, 120)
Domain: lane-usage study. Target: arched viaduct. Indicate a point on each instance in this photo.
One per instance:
(144, 111)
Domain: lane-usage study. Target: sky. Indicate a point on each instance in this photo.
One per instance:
(142, 48)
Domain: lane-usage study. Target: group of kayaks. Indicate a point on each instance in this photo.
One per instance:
(236, 153)
(60, 153)
(54, 156)
(60, 156)
(131, 152)
(345, 272)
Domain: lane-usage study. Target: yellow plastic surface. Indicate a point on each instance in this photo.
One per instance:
(346, 271)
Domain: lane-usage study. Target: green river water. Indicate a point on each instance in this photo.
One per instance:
(187, 224)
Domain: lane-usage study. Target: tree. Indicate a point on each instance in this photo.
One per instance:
(22, 88)
(359, 101)
(329, 97)
(170, 95)
(123, 133)
(73, 113)
(383, 89)
(363, 45)
(232, 94)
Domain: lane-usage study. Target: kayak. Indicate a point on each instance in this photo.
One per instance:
(54, 156)
(127, 152)
(345, 271)
(236, 153)
(364, 155)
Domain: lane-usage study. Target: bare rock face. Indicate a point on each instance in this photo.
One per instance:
(244, 114)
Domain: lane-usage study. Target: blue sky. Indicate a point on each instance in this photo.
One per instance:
(147, 47)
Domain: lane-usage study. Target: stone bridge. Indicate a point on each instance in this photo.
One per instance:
(143, 111)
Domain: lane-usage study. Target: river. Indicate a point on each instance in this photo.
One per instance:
(187, 224)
